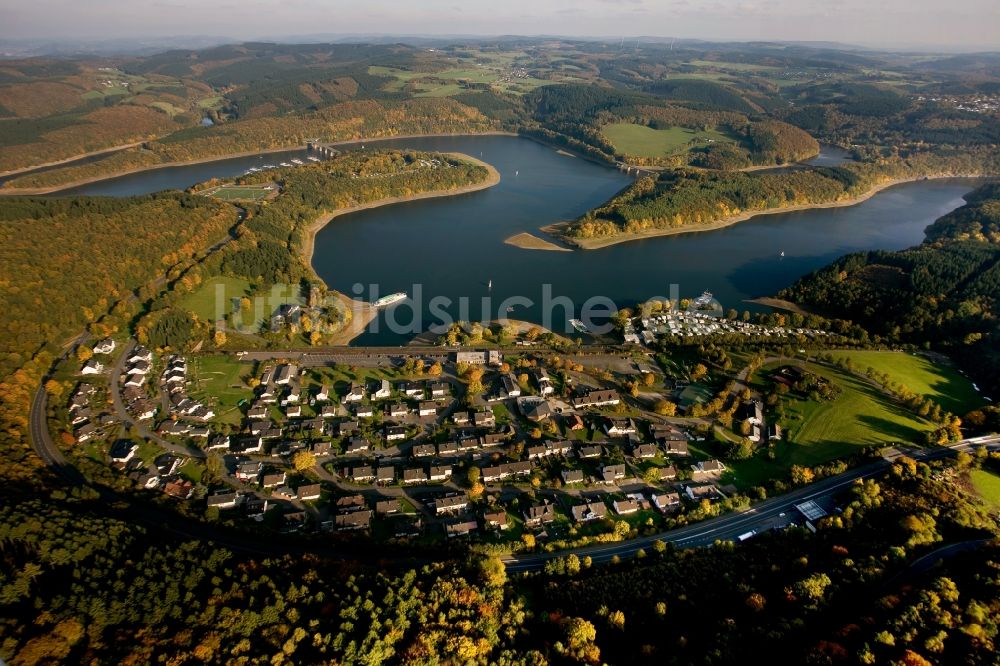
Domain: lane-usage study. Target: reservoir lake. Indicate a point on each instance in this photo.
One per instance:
(453, 248)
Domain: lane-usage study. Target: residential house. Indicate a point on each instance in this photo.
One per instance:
(273, 480)
(546, 449)
(388, 507)
(385, 475)
(668, 473)
(412, 389)
(105, 346)
(382, 390)
(595, 510)
(140, 353)
(257, 413)
(668, 501)
(329, 411)
(496, 520)
(536, 411)
(422, 450)
(358, 445)
(625, 507)
(707, 470)
(223, 501)
(619, 427)
(323, 394)
(597, 398)
(363, 474)
(471, 357)
(440, 472)
(249, 472)
(540, 514)
(92, 367)
(460, 528)
(773, 432)
(349, 503)
(356, 393)
(675, 447)
(309, 492)
(355, 520)
(179, 489)
(460, 417)
(398, 410)
(696, 492)
(427, 409)
(570, 476)
(246, 445)
(447, 449)
(364, 411)
(122, 451)
(590, 452)
(345, 428)
(286, 373)
(483, 418)
(510, 386)
(505, 471)
(395, 433)
(438, 389)
(612, 473)
(645, 451)
(293, 411)
(573, 422)
(543, 381)
(414, 475)
(450, 504)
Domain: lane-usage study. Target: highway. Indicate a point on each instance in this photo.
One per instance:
(730, 526)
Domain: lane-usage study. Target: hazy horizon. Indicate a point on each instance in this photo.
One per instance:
(964, 24)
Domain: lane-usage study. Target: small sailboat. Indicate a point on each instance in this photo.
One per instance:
(489, 285)
(516, 172)
(782, 253)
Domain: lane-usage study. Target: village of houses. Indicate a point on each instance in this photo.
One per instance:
(392, 458)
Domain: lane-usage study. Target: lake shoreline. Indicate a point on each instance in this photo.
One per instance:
(362, 312)
(558, 230)
(527, 241)
(56, 189)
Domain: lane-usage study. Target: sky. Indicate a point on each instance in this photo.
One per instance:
(957, 23)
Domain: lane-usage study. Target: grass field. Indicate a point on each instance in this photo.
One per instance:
(987, 484)
(447, 83)
(221, 382)
(818, 432)
(642, 141)
(213, 299)
(241, 192)
(937, 381)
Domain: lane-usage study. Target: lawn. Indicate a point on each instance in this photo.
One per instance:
(818, 432)
(642, 141)
(241, 192)
(220, 381)
(213, 300)
(937, 381)
(987, 484)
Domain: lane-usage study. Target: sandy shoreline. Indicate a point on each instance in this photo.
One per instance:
(527, 241)
(598, 243)
(55, 189)
(362, 312)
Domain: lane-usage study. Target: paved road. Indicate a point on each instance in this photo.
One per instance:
(730, 526)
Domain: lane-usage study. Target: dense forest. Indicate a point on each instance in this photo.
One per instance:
(944, 293)
(680, 198)
(113, 591)
(268, 248)
(341, 122)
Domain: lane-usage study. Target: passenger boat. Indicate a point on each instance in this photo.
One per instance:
(390, 299)
(579, 325)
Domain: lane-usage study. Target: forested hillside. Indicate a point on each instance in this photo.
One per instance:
(72, 264)
(115, 592)
(677, 198)
(944, 293)
(340, 122)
